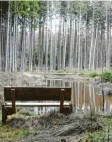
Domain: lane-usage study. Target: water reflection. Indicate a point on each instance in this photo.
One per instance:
(84, 96)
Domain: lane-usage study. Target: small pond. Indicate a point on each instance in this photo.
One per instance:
(84, 95)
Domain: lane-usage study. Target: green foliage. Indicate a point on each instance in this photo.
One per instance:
(23, 132)
(96, 137)
(8, 132)
(67, 71)
(28, 8)
(63, 9)
(63, 71)
(101, 136)
(93, 74)
(106, 76)
(42, 9)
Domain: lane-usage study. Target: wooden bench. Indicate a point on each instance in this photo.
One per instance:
(22, 94)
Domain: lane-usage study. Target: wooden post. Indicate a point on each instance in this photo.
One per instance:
(71, 109)
(61, 100)
(13, 101)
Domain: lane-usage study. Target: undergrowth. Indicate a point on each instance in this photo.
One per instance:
(94, 126)
(98, 136)
(8, 132)
(105, 76)
(93, 74)
(65, 71)
(104, 135)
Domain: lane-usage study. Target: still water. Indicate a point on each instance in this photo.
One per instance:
(84, 96)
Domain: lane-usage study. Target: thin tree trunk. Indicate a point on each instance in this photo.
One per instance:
(51, 49)
(64, 46)
(7, 45)
(94, 48)
(39, 48)
(59, 46)
(79, 51)
(55, 46)
(71, 46)
(91, 48)
(46, 50)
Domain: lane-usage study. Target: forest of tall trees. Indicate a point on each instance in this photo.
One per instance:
(55, 35)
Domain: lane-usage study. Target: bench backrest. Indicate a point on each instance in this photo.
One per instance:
(34, 93)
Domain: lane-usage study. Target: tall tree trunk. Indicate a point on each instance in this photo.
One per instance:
(94, 48)
(64, 46)
(59, 45)
(55, 46)
(46, 49)
(79, 51)
(92, 39)
(71, 46)
(51, 49)
(39, 47)
(108, 40)
(7, 45)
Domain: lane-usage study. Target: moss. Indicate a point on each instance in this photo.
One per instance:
(23, 132)
(8, 132)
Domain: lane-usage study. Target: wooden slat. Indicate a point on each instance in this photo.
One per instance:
(34, 93)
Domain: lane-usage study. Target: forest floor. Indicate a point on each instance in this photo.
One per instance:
(54, 127)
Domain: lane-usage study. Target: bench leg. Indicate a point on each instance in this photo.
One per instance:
(71, 109)
(4, 114)
(67, 109)
(6, 110)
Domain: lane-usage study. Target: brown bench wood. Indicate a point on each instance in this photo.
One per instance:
(14, 94)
